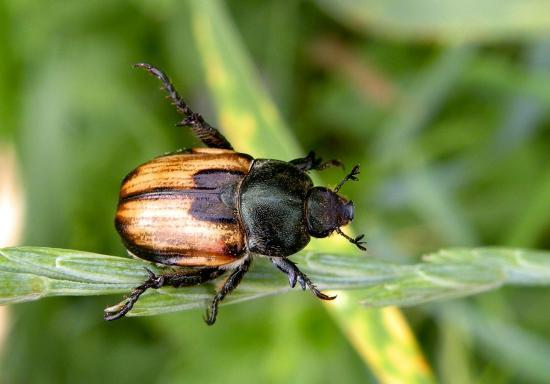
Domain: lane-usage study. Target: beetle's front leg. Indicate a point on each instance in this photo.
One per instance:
(311, 161)
(294, 274)
(229, 285)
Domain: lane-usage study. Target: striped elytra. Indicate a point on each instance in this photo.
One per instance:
(181, 208)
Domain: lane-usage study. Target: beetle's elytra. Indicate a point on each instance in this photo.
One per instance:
(210, 209)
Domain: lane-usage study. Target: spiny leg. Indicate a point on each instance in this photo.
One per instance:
(229, 285)
(209, 135)
(158, 281)
(294, 274)
(311, 161)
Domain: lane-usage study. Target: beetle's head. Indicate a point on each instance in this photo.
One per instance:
(327, 211)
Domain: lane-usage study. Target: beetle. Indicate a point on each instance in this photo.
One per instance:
(209, 210)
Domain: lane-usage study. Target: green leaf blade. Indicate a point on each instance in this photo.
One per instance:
(522, 267)
(445, 21)
(444, 275)
(427, 283)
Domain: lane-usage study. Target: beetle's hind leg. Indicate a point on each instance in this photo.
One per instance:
(209, 135)
(311, 161)
(229, 285)
(295, 275)
(157, 281)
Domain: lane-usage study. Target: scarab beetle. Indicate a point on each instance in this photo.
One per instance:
(208, 210)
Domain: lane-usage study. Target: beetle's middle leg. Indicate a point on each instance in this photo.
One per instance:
(229, 285)
(295, 275)
(311, 161)
(209, 135)
(158, 281)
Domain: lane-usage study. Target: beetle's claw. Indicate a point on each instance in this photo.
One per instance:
(318, 293)
(210, 315)
(321, 295)
(208, 318)
(117, 311)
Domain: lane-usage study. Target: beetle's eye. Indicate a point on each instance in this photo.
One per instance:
(349, 210)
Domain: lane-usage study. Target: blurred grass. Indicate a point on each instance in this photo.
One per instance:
(447, 21)
(32, 273)
(473, 171)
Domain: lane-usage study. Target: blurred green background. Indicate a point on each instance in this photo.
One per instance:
(444, 104)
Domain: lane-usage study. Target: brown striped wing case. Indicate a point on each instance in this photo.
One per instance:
(180, 209)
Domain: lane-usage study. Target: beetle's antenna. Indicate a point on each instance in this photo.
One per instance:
(357, 241)
(350, 176)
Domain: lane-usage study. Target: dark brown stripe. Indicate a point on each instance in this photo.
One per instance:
(204, 206)
(174, 258)
(216, 179)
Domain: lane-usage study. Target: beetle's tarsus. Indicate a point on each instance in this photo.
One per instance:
(229, 285)
(312, 162)
(209, 135)
(290, 268)
(151, 282)
(321, 295)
